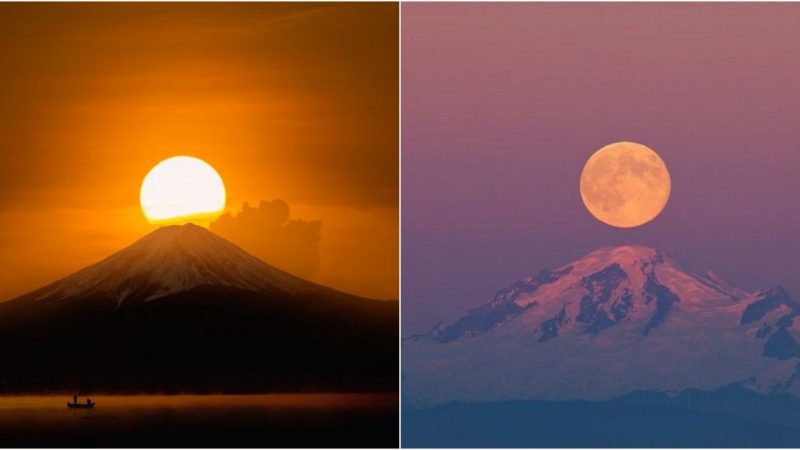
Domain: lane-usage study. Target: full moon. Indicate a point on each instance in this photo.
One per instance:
(182, 188)
(625, 184)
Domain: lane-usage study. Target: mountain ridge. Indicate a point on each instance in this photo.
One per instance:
(191, 255)
(611, 264)
(183, 310)
(543, 336)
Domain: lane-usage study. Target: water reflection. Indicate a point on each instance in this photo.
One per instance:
(272, 420)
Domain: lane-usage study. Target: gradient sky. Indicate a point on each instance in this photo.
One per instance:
(502, 104)
(297, 102)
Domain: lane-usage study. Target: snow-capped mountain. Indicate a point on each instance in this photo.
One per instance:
(617, 320)
(169, 260)
(185, 310)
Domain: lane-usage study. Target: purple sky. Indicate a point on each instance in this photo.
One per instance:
(503, 103)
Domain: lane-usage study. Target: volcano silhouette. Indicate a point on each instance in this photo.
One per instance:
(184, 310)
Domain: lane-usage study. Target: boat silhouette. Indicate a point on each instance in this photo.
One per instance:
(75, 405)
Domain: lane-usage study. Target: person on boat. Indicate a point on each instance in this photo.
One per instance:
(88, 401)
(75, 398)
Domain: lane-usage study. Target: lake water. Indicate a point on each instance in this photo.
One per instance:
(271, 420)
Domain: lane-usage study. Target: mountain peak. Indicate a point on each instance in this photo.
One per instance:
(187, 227)
(641, 251)
(607, 324)
(173, 259)
(631, 284)
(174, 231)
(184, 233)
(629, 255)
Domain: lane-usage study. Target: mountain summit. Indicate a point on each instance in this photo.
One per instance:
(606, 287)
(616, 320)
(169, 260)
(184, 310)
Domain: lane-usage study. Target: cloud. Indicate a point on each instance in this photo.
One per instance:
(268, 232)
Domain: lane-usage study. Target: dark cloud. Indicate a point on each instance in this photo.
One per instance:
(268, 232)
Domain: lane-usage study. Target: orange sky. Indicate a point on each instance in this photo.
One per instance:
(296, 102)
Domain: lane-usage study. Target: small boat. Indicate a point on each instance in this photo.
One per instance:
(88, 405)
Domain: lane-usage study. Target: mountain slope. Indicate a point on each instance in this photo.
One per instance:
(171, 259)
(184, 310)
(617, 320)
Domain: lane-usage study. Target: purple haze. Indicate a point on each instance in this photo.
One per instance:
(503, 103)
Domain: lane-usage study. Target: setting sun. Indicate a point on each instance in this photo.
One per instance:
(180, 188)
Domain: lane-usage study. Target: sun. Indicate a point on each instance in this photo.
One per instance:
(182, 189)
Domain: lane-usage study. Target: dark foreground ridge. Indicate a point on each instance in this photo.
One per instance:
(729, 417)
(223, 322)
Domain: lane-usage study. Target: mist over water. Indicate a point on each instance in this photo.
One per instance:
(270, 420)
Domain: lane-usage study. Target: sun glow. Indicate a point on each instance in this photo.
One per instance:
(180, 189)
